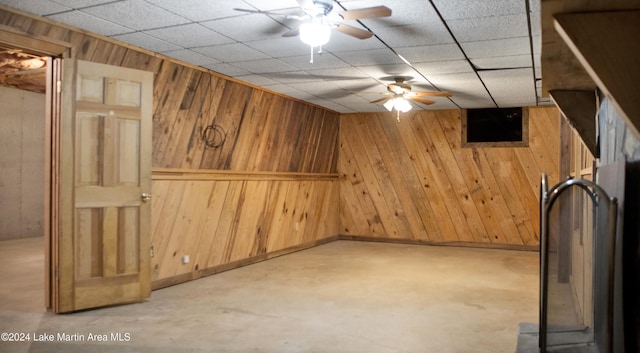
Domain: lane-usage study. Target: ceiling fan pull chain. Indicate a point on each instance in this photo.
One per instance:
(398, 115)
(311, 61)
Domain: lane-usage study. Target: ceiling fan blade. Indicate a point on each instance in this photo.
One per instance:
(292, 33)
(421, 100)
(354, 32)
(379, 100)
(431, 94)
(369, 12)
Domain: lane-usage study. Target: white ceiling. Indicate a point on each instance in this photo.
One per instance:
(485, 52)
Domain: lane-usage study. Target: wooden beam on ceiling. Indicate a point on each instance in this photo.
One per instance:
(579, 107)
(560, 68)
(606, 44)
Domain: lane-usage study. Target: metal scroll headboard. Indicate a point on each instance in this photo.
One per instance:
(603, 333)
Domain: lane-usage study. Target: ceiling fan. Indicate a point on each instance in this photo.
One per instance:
(399, 94)
(318, 21)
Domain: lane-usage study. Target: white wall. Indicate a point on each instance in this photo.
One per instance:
(22, 117)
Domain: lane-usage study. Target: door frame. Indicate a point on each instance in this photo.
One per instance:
(52, 49)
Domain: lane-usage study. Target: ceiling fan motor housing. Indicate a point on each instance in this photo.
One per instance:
(323, 7)
(399, 88)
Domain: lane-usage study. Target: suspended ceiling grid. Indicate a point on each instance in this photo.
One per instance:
(486, 53)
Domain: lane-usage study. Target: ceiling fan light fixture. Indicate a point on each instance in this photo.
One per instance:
(315, 34)
(389, 104)
(399, 104)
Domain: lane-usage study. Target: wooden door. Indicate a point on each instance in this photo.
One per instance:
(101, 252)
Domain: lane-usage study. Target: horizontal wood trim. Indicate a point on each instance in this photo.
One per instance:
(33, 43)
(185, 277)
(437, 243)
(228, 175)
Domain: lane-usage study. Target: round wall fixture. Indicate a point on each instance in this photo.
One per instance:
(213, 136)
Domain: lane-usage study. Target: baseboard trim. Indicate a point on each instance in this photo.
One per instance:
(186, 277)
(434, 243)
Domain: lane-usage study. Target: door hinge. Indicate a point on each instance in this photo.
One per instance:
(151, 253)
(59, 86)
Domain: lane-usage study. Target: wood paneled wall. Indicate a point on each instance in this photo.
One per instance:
(262, 131)
(412, 181)
(222, 220)
(280, 155)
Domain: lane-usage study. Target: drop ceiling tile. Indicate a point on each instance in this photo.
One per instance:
(537, 45)
(437, 52)
(502, 62)
(369, 57)
(510, 87)
(272, 5)
(487, 28)
(281, 47)
(471, 102)
(340, 42)
(321, 61)
(458, 9)
(247, 27)
(198, 10)
(348, 65)
(231, 52)
(258, 80)
(497, 47)
(264, 66)
(415, 34)
(38, 7)
(388, 71)
(191, 57)
(402, 12)
(289, 77)
(227, 69)
(350, 99)
(330, 105)
(421, 85)
(442, 104)
(147, 42)
(467, 89)
(535, 15)
(290, 91)
(78, 4)
(139, 15)
(319, 88)
(189, 35)
(443, 67)
(90, 23)
(361, 86)
(337, 74)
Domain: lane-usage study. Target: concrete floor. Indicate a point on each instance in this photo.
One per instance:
(339, 297)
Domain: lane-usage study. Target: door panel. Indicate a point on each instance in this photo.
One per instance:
(103, 246)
